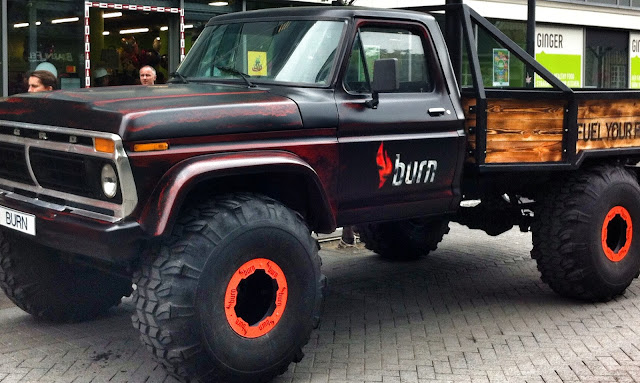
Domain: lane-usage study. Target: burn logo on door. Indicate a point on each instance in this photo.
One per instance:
(413, 172)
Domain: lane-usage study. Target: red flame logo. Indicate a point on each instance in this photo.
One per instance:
(384, 165)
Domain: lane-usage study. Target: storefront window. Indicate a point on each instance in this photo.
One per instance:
(44, 32)
(123, 41)
(498, 66)
(606, 59)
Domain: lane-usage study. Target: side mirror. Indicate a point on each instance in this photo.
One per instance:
(385, 79)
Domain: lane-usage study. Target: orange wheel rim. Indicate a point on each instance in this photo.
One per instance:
(616, 240)
(261, 273)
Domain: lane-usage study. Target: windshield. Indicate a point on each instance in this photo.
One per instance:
(282, 51)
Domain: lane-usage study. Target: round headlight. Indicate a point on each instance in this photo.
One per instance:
(109, 181)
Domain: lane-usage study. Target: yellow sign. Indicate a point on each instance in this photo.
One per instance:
(257, 62)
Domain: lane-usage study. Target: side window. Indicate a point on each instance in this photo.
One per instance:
(374, 43)
(356, 79)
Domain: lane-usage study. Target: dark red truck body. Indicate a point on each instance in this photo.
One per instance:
(202, 193)
(319, 149)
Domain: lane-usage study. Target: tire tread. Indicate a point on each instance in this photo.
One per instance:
(164, 306)
(557, 252)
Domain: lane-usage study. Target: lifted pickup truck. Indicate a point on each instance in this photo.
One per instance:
(204, 192)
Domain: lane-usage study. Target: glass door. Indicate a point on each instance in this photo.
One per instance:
(122, 39)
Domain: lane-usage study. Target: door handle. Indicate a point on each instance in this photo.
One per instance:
(433, 112)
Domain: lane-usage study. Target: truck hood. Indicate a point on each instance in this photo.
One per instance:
(161, 111)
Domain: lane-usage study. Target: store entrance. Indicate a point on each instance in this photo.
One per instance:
(125, 38)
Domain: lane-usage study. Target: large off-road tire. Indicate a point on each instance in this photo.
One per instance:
(40, 281)
(404, 240)
(233, 294)
(586, 234)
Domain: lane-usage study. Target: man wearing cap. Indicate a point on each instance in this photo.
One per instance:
(45, 65)
(101, 77)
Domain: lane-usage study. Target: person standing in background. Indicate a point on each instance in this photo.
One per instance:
(147, 75)
(101, 77)
(42, 81)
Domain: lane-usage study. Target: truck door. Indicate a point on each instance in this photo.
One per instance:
(400, 159)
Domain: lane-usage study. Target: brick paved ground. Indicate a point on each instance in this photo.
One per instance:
(473, 311)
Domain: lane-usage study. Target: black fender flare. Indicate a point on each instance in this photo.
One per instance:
(163, 205)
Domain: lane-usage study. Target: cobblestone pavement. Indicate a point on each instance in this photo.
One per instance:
(473, 311)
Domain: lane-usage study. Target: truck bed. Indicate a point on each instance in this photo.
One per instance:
(536, 128)
(547, 127)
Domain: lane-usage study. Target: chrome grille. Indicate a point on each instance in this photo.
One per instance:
(59, 165)
(13, 165)
(66, 172)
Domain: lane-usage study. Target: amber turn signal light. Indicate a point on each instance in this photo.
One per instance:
(104, 145)
(151, 147)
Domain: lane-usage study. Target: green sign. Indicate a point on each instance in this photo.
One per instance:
(635, 73)
(560, 50)
(500, 67)
(565, 67)
(634, 60)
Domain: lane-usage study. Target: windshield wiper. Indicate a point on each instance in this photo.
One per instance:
(244, 76)
(178, 75)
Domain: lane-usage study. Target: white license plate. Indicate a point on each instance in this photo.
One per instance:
(18, 220)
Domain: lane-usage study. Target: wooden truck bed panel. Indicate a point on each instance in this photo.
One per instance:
(528, 131)
(531, 131)
(607, 124)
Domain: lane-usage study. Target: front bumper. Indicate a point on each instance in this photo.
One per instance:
(57, 227)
